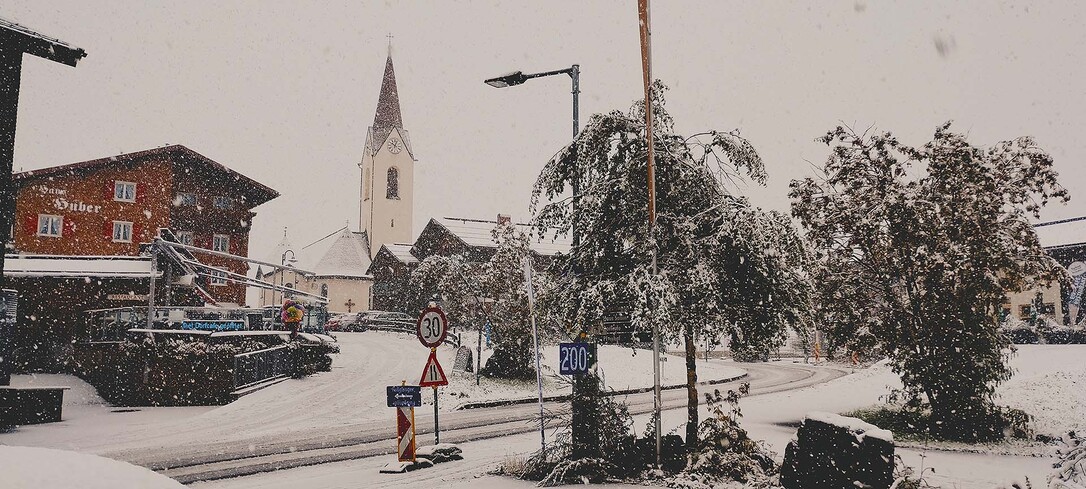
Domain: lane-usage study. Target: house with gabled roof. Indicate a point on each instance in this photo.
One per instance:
(447, 236)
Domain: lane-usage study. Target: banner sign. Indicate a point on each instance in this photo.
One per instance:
(205, 325)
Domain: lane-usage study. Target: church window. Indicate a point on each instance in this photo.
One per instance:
(324, 290)
(393, 191)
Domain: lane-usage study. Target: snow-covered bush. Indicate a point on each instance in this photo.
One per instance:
(725, 453)
(933, 237)
(1070, 470)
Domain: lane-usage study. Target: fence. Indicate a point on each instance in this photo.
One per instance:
(451, 338)
(257, 366)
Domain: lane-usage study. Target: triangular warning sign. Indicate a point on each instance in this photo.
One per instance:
(432, 374)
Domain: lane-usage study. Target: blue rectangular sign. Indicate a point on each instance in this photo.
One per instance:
(576, 358)
(404, 395)
(213, 325)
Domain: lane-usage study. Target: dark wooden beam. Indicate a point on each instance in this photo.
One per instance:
(14, 37)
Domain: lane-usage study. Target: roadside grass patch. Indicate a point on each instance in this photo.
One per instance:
(912, 425)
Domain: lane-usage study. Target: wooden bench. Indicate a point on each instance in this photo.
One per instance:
(30, 405)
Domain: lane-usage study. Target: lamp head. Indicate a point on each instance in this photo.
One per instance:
(507, 80)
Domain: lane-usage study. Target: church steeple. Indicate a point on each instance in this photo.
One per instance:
(388, 104)
(387, 167)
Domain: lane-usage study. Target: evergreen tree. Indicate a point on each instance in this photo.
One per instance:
(724, 266)
(930, 239)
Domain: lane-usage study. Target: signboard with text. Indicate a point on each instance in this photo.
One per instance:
(576, 358)
(404, 395)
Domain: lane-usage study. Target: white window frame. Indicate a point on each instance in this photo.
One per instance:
(185, 237)
(119, 194)
(183, 195)
(119, 232)
(218, 278)
(55, 223)
(222, 202)
(220, 238)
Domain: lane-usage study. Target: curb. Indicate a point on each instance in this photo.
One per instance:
(566, 397)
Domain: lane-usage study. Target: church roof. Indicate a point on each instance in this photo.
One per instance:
(347, 257)
(388, 104)
(387, 117)
(477, 233)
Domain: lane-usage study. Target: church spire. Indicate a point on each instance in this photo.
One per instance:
(388, 104)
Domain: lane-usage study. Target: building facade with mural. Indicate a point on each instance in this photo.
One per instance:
(109, 206)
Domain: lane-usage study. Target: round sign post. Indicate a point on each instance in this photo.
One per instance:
(432, 327)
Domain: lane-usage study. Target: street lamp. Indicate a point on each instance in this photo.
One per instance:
(574, 72)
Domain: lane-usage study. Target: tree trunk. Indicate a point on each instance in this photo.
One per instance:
(691, 389)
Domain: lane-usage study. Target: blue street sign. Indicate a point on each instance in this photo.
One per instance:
(404, 395)
(576, 358)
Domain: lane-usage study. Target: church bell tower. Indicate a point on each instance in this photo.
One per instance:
(388, 172)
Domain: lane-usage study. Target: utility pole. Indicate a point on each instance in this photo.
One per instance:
(646, 68)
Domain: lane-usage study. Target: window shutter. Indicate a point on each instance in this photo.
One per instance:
(31, 223)
(109, 230)
(68, 226)
(109, 196)
(233, 248)
(136, 233)
(139, 192)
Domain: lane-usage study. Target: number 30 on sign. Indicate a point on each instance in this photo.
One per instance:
(575, 358)
(432, 326)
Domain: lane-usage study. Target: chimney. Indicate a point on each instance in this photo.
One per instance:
(503, 219)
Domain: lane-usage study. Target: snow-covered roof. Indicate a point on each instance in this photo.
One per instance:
(402, 252)
(477, 233)
(78, 266)
(348, 256)
(1058, 234)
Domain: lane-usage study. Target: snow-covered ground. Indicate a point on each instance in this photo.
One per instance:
(353, 391)
(1048, 384)
(47, 468)
(768, 417)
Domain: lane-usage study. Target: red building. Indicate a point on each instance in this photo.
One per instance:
(108, 206)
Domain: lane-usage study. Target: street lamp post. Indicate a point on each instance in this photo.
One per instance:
(283, 272)
(585, 438)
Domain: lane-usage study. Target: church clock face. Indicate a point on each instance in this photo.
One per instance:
(395, 146)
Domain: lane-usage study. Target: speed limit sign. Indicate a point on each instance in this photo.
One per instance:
(432, 326)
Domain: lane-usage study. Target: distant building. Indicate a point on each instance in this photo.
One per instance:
(385, 203)
(448, 236)
(1065, 241)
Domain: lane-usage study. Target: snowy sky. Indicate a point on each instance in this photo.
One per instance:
(284, 91)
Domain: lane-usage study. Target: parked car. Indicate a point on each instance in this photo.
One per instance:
(385, 319)
(342, 322)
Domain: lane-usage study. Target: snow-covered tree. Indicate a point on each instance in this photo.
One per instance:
(929, 239)
(724, 266)
(473, 292)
